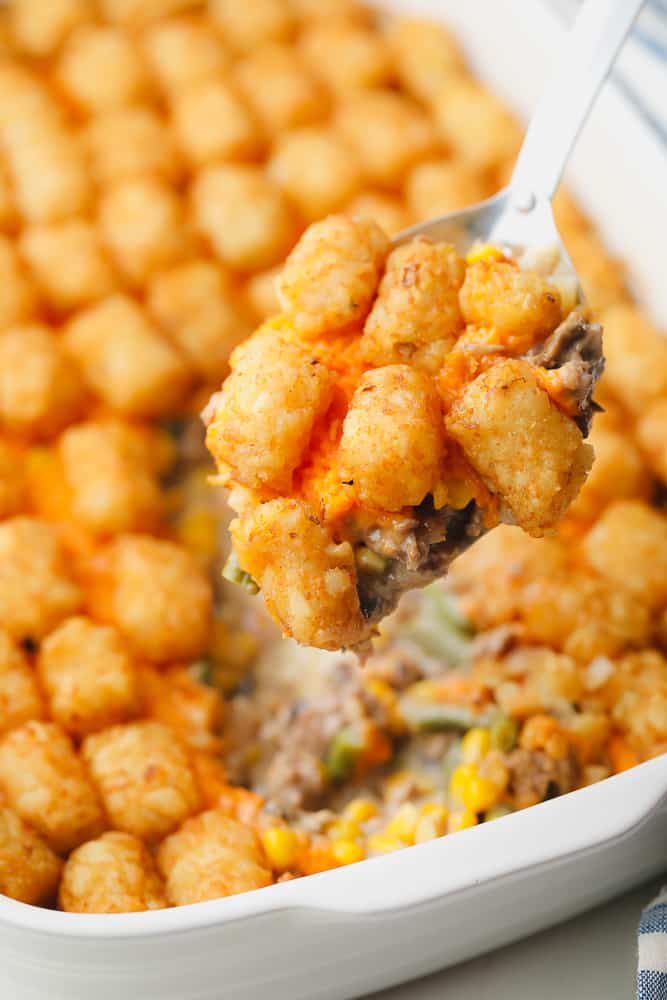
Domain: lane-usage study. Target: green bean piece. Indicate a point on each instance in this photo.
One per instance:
(369, 561)
(436, 716)
(504, 732)
(439, 627)
(233, 572)
(342, 755)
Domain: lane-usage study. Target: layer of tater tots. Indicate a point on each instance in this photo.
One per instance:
(113, 874)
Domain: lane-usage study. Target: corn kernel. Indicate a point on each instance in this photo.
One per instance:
(281, 847)
(480, 794)
(434, 809)
(344, 829)
(404, 823)
(484, 251)
(382, 843)
(432, 824)
(360, 810)
(458, 782)
(461, 820)
(347, 852)
(475, 745)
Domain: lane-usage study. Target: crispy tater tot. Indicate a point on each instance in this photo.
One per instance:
(389, 132)
(636, 353)
(602, 276)
(262, 419)
(628, 544)
(68, 263)
(308, 582)
(40, 388)
(196, 306)
(475, 124)
(17, 297)
(7, 203)
(262, 293)
(190, 707)
(111, 488)
(47, 785)
(392, 447)
(651, 431)
(143, 776)
(124, 359)
(427, 56)
(437, 187)
(20, 699)
(280, 90)
(333, 11)
(212, 123)
(29, 869)
(212, 856)
(39, 29)
(100, 68)
(113, 874)
(387, 210)
(136, 13)
(521, 306)
(317, 169)
(155, 592)
(12, 479)
(348, 57)
(142, 224)
(618, 472)
(329, 280)
(244, 215)
(88, 676)
(244, 27)
(36, 591)
(522, 445)
(131, 142)
(417, 303)
(184, 51)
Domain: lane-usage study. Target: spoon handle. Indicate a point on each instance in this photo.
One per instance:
(590, 51)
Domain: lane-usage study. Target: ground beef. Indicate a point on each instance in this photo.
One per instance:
(534, 776)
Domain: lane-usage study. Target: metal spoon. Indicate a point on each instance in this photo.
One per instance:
(520, 216)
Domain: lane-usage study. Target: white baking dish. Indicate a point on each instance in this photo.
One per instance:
(347, 932)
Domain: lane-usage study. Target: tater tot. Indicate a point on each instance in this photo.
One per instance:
(392, 446)
(651, 432)
(628, 545)
(40, 388)
(29, 869)
(244, 215)
(317, 169)
(88, 676)
(68, 263)
(39, 29)
(262, 419)
(47, 785)
(329, 280)
(333, 11)
(198, 309)
(184, 51)
(212, 856)
(426, 54)
(191, 708)
(521, 306)
(527, 451)
(36, 591)
(131, 142)
(12, 480)
(100, 69)
(636, 353)
(348, 57)
(476, 124)
(17, 298)
(437, 187)
(618, 472)
(387, 210)
(280, 90)
(244, 27)
(155, 592)
(20, 699)
(113, 874)
(7, 203)
(143, 226)
(143, 777)
(602, 276)
(136, 13)
(417, 303)
(212, 123)
(389, 132)
(307, 581)
(262, 293)
(124, 359)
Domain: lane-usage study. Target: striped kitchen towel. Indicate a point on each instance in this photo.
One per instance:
(652, 960)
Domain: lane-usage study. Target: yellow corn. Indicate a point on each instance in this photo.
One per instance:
(480, 794)
(432, 809)
(432, 824)
(344, 829)
(404, 823)
(360, 810)
(382, 843)
(475, 745)
(281, 846)
(461, 820)
(459, 780)
(347, 852)
(484, 251)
